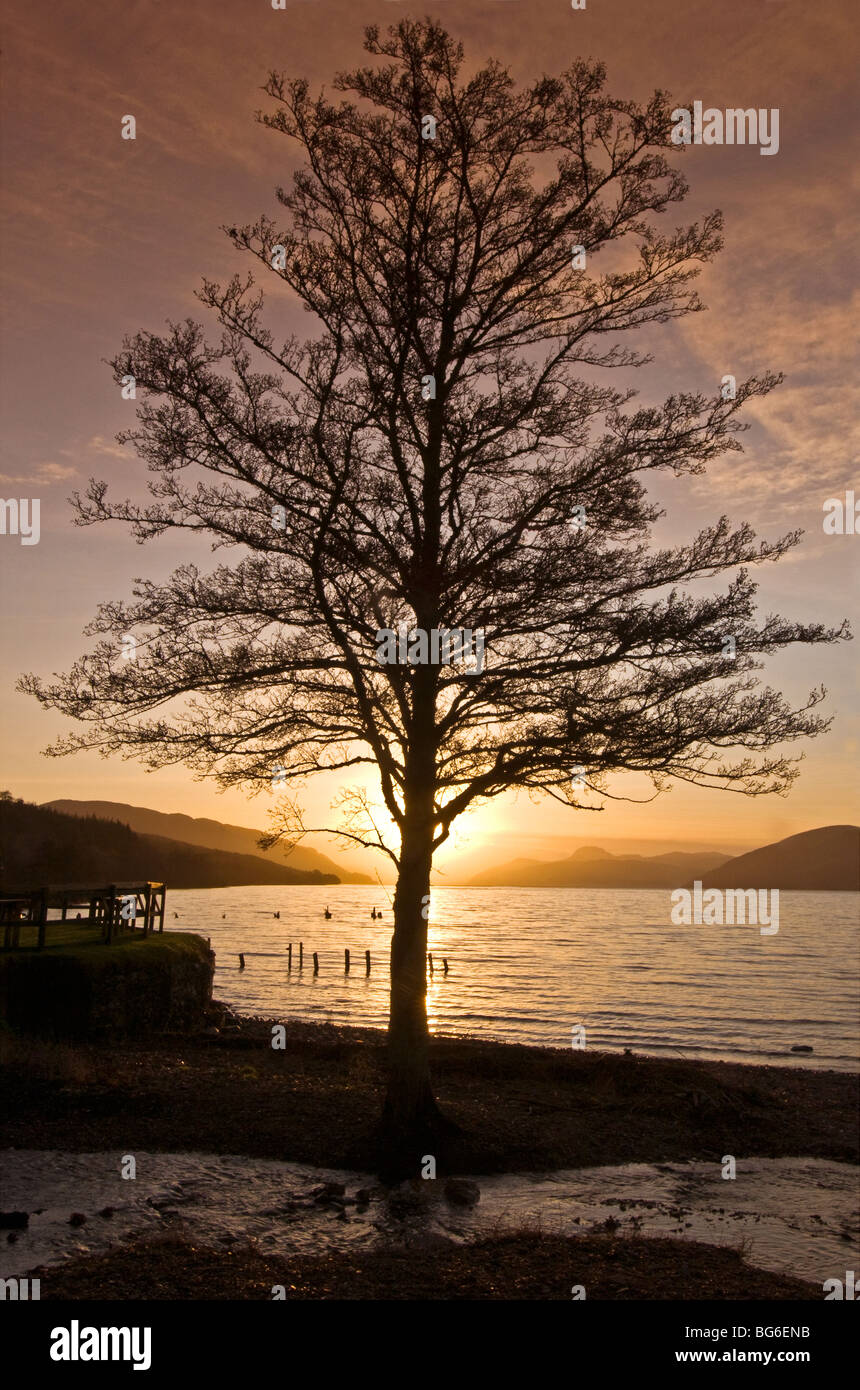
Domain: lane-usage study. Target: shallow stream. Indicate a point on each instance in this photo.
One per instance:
(795, 1216)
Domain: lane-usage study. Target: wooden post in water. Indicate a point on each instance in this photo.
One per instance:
(290, 956)
(301, 953)
(367, 962)
(241, 961)
(346, 962)
(316, 964)
(445, 963)
(430, 962)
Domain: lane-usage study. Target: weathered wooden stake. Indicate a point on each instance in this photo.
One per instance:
(346, 962)
(290, 956)
(301, 953)
(241, 961)
(430, 962)
(316, 964)
(445, 963)
(367, 962)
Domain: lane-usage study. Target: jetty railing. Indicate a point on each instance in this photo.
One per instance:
(106, 912)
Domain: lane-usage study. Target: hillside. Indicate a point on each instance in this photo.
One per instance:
(208, 834)
(597, 868)
(42, 846)
(827, 858)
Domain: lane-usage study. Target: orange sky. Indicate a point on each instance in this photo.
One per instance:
(105, 236)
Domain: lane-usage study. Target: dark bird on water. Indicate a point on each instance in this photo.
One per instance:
(326, 913)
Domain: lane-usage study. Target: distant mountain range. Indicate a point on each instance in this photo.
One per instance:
(597, 868)
(827, 858)
(79, 841)
(210, 834)
(42, 846)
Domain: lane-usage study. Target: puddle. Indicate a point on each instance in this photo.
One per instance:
(795, 1216)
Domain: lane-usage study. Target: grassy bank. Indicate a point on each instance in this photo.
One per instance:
(518, 1108)
(74, 941)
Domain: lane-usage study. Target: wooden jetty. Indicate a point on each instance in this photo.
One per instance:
(108, 912)
(347, 959)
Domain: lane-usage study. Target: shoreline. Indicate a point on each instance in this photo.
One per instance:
(519, 1108)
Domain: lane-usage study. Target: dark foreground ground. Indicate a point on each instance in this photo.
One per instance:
(515, 1108)
(317, 1101)
(524, 1265)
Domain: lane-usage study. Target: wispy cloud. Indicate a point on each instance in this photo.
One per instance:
(42, 474)
(99, 445)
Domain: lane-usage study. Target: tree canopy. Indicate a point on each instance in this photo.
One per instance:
(445, 450)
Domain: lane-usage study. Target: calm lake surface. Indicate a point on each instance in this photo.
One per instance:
(529, 964)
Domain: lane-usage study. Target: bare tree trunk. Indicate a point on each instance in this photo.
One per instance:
(411, 1117)
(409, 1101)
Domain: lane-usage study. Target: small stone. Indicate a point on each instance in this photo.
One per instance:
(328, 1191)
(107, 1213)
(14, 1220)
(462, 1193)
(802, 1047)
(77, 1218)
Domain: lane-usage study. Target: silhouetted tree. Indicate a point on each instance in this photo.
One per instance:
(443, 452)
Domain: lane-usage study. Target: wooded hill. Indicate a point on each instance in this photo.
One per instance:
(41, 846)
(207, 834)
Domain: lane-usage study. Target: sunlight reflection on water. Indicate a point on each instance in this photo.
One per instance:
(527, 964)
